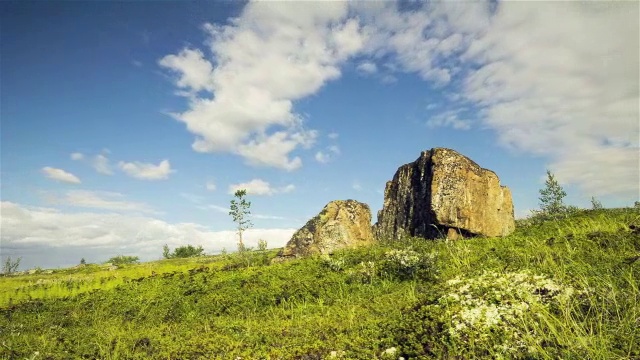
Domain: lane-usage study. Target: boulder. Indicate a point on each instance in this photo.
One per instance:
(341, 224)
(444, 193)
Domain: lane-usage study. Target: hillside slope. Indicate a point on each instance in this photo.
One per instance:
(560, 289)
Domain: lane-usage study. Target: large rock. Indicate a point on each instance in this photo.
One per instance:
(341, 224)
(444, 193)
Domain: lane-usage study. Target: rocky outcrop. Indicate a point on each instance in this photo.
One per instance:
(444, 193)
(341, 224)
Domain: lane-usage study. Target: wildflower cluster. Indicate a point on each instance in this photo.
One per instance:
(364, 272)
(335, 264)
(406, 263)
(488, 310)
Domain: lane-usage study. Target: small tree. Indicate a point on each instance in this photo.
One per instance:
(595, 203)
(551, 197)
(188, 251)
(10, 266)
(165, 252)
(262, 245)
(83, 261)
(239, 212)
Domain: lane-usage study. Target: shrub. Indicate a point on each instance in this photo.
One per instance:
(183, 252)
(407, 264)
(10, 266)
(334, 264)
(123, 260)
(364, 272)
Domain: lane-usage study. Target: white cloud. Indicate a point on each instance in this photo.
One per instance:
(97, 200)
(211, 185)
(333, 136)
(271, 55)
(41, 232)
(565, 84)
(367, 67)
(449, 118)
(554, 79)
(356, 186)
(146, 171)
(273, 150)
(260, 187)
(101, 164)
(60, 175)
(322, 157)
(195, 72)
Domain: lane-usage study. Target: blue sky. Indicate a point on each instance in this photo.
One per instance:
(127, 125)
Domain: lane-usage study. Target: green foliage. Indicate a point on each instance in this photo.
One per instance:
(262, 245)
(551, 197)
(239, 212)
(333, 263)
(407, 264)
(123, 260)
(10, 266)
(182, 252)
(83, 261)
(596, 204)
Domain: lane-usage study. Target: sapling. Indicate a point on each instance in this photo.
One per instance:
(239, 212)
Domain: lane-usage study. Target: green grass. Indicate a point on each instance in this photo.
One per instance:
(583, 304)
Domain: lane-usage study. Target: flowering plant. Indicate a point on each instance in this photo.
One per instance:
(494, 315)
(363, 272)
(406, 263)
(493, 305)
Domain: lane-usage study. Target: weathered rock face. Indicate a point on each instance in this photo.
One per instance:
(444, 193)
(341, 224)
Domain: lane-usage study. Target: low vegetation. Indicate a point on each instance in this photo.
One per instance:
(120, 260)
(182, 252)
(560, 288)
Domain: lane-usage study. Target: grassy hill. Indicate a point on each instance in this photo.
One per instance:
(560, 289)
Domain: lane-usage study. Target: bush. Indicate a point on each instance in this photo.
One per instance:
(407, 264)
(183, 252)
(334, 264)
(123, 260)
(364, 272)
